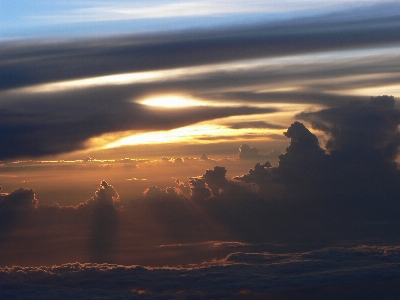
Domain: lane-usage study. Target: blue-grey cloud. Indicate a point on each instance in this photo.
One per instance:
(31, 63)
(40, 123)
(370, 271)
(48, 123)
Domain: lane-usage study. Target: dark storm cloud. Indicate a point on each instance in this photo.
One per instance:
(312, 195)
(47, 123)
(350, 189)
(360, 127)
(31, 63)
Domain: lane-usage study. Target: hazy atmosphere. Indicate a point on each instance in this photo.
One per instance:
(199, 150)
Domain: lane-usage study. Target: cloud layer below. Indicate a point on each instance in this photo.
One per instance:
(361, 271)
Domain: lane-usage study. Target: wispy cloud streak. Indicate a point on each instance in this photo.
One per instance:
(57, 95)
(32, 63)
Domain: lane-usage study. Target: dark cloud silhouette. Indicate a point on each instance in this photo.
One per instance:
(203, 157)
(90, 227)
(248, 152)
(360, 129)
(14, 208)
(198, 189)
(362, 141)
(349, 189)
(104, 223)
(215, 179)
(304, 158)
(154, 193)
(258, 175)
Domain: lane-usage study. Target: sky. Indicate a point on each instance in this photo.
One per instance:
(253, 138)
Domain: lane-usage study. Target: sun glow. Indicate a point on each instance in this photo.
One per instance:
(188, 133)
(171, 101)
(199, 133)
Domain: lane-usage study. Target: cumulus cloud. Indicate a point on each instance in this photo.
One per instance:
(258, 175)
(215, 179)
(101, 213)
(154, 193)
(347, 189)
(360, 129)
(90, 227)
(14, 208)
(248, 152)
(361, 144)
(303, 158)
(199, 189)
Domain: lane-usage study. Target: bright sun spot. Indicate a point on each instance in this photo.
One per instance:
(171, 102)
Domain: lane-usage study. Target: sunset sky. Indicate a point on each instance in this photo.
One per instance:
(144, 96)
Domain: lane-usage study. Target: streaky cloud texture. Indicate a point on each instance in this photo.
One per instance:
(362, 28)
(350, 272)
(47, 123)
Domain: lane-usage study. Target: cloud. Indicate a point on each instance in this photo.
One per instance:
(118, 11)
(104, 224)
(14, 208)
(248, 152)
(314, 198)
(303, 158)
(198, 189)
(256, 124)
(363, 28)
(42, 124)
(347, 190)
(89, 228)
(154, 193)
(51, 105)
(329, 272)
(361, 143)
(360, 129)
